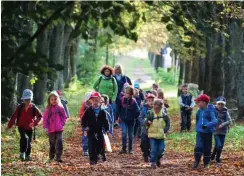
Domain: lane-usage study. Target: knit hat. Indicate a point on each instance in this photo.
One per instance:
(88, 96)
(203, 97)
(27, 95)
(96, 95)
(137, 85)
(221, 99)
(150, 96)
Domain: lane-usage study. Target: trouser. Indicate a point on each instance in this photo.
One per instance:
(84, 142)
(95, 146)
(56, 145)
(127, 128)
(137, 128)
(203, 146)
(145, 145)
(219, 144)
(186, 120)
(25, 140)
(157, 149)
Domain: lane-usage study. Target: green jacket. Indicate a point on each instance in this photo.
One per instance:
(106, 86)
(159, 126)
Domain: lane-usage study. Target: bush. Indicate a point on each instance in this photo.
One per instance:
(165, 77)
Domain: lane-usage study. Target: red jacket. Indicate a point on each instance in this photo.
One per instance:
(25, 118)
(83, 108)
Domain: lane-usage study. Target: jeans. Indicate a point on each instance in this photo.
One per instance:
(25, 140)
(84, 143)
(157, 149)
(127, 128)
(186, 120)
(56, 144)
(219, 141)
(95, 146)
(145, 145)
(114, 106)
(203, 146)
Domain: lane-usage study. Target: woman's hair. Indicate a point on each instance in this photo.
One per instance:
(53, 94)
(129, 90)
(105, 98)
(118, 66)
(160, 93)
(154, 92)
(158, 102)
(106, 67)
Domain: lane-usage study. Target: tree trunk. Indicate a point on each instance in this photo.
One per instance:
(107, 55)
(181, 75)
(188, 71)
(195, 70)
(201, 73)
(73, 61)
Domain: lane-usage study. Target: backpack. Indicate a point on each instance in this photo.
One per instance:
(100, 79)
(21, 106)
(123, 100)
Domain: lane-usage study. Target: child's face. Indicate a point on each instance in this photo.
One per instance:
(53, 100)
(136, 93)
(27, 102)
(127, 95)
(220, 105)
(107, 72)
(96, 101)
(156, 108)
(150, 102)
(184, 90)
(117, 71)
(155, 87)
(202, 104)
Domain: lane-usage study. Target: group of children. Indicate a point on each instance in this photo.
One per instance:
(144, 113)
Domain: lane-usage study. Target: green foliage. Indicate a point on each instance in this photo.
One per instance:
(165, 77)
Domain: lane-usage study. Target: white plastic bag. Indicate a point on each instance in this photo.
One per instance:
(107, 143)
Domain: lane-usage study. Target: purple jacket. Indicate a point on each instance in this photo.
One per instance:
(54, 119)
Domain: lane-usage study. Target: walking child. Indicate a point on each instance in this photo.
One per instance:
(158, 125)
(129, 112)
(137, 129)
(54, 120)
(24, 118)
(162, 97)
(186, 106)
(109, 112)
(145, 143)
(95, 121)
(84, 106)
(205, 125)
(224, 120)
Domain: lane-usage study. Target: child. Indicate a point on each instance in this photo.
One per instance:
(186, 106)
(24, 118)
(162, 97)
(137, 129)
(109, 112)
(129, 112)
(145, 143)
(205, 125)
(54, 120)
(141, 95)
(155, 86)
(158, 125)
(94, 121)
(84, 106)
(155, 93)
(224, 120)
(64, 103)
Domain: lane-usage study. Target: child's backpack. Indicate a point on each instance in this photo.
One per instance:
(123, 100)
(64, 103)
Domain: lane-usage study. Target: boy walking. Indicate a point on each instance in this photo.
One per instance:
(205, 125)
(186, 106)
(224, 120)
(94, 121)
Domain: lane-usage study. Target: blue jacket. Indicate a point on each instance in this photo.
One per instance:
(142, 117)
(128, 110)
(206, 117)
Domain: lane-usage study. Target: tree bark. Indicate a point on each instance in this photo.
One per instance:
(188, 71)
(195, 70)
(181, 75)
(202, 64)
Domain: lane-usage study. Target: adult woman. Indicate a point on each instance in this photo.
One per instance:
(106, 84)
(121, 79)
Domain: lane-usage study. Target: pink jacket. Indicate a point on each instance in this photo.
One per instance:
(54, 119)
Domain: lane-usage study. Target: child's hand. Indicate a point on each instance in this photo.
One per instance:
(46, 130)
(149, 122)
(204, 126)
(31, 125)
(85, 133)
(220, 126)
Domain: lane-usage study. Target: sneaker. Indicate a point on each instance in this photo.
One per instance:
(59, 160)
(22, 156)
(122, 152)
(153, 166)
(212, 157)
(93, 163)
(158, 163)
(104, 158)
(218, 160)
(27, 158)
(131, 152)
(146, 160)
(85, 154)
(206, 166)
(195, 165)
